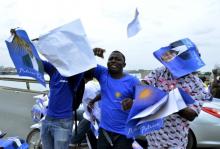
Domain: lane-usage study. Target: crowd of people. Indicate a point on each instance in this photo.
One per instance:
(116, 94)
(107, 104)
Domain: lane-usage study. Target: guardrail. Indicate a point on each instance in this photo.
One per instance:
(26, 81)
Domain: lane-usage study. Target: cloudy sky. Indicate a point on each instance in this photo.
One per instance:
(105, 22)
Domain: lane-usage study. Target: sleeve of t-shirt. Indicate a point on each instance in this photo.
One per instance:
(99, 70)
(135, 82)
(48, 68)
(199, 94)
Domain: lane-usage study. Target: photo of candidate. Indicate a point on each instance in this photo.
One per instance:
(169, 55)
(180, 51)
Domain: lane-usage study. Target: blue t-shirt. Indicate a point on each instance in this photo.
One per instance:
(61, 92)
(113, 92)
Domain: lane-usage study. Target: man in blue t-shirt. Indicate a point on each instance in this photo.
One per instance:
(57, 127)
(117, 88)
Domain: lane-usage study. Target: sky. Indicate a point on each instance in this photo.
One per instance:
(105, 23)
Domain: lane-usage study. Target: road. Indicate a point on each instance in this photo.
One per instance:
(15, 116)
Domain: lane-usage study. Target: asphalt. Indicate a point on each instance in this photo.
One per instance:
(15, 116)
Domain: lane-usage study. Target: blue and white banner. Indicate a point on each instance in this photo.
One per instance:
(145, 103)
(151, 105)
(177, 100)
(180, 57)
(133, 129)
(25, 56)
(134, 26)
(145, 96)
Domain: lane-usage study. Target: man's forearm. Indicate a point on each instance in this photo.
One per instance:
(188, 114)
(97, 98)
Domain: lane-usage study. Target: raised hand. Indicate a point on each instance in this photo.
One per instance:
(99, 52)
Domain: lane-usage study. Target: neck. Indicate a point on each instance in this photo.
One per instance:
(116, 75)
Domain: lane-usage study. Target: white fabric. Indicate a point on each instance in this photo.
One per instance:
(92, 89)
(34, 63)
(16, 140)
(136, 145)
(67, 49)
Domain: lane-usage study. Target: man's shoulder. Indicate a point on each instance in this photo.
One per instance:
(191, 77)
(100, 69)
(162, 70)
(159, 71)
(132, 78)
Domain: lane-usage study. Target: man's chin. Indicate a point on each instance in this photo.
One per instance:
(114, 71)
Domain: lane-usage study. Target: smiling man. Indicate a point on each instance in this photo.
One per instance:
(117, 90)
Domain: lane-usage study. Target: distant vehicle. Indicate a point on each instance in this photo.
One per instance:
(205, 130)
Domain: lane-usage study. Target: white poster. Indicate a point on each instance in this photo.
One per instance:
(67, 48)
(134, 26)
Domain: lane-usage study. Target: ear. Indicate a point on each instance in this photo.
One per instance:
(124, 64)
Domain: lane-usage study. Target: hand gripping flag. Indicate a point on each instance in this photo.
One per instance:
(148, 100)
(151, 105)
(134, 26)
(180, 57)
(25, 56)
(177, 100)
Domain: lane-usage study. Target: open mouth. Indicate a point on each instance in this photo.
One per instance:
(113, 67)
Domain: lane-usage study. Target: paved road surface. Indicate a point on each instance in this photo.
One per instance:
(15, 115)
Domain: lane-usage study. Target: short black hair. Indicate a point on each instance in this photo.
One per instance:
(116, 51)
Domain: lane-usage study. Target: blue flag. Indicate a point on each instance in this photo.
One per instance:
(145, 97)
(180, 57)
(144, 128)
(186, 97)
(25, 56)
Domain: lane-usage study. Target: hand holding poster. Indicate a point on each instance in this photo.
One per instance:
(180, 57)
(151, 105)
(25, 56)
(177, 100)
(148, 100)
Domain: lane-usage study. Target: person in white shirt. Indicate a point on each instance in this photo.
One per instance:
(92, 89)
(90, 116)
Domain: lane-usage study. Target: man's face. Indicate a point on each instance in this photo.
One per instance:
(168, 56)
(116, 62)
